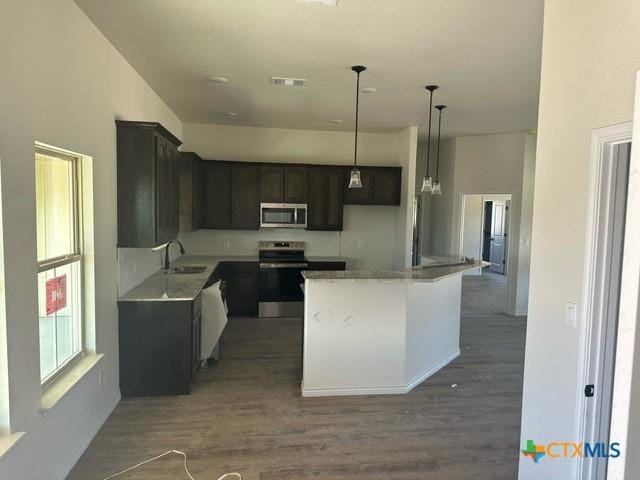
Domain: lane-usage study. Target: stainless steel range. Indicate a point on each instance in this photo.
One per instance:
(280, 276)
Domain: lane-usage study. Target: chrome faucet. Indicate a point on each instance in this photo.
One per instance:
(167, 262)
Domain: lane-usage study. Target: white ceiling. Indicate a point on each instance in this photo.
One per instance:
(484, 54)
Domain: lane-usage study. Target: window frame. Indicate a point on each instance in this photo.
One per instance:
(76, 256)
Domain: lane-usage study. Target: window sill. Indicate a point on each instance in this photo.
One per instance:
(9, 440)
(58, 388)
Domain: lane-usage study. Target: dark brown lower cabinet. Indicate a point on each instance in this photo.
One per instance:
(241, 287)
(159, 346)
(327, 266)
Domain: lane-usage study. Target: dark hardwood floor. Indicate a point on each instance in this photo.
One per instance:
(246, 414)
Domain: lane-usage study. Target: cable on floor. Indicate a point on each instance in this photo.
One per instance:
(186, 469)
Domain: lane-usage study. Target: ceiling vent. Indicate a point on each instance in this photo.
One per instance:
(289, 82)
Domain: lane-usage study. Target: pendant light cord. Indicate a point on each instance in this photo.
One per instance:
(355, 146)
(438, 147)
(430, 88)
(440, 108)
(429, 131)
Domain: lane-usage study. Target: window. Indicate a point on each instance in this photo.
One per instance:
(59, 261)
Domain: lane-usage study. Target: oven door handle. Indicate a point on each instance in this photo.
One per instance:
(284, 265)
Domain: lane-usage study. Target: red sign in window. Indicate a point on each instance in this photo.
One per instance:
(56, 294)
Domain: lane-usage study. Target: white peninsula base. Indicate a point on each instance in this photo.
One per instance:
(378, 336)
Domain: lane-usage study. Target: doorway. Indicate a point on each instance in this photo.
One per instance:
(602, 296)
(484, 230)
(495, 232)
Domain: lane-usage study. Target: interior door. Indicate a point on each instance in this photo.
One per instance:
(486, 231)
(498, 237)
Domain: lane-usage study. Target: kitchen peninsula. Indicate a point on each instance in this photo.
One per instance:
(369, 332)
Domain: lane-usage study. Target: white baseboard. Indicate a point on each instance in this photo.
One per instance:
(92, 432)
(423, 376)
(392, 390)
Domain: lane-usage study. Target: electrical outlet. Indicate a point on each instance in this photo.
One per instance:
(570, 314)
(226, 244)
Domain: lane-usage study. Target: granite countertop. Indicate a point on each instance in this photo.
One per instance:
(426, 273)
(177, 287)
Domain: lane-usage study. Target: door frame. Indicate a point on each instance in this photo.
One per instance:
(488, 197)
(603, 141)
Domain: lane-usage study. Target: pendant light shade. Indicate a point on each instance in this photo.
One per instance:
(427, 181)
(354, 179)
(427, 185)
(437, 189)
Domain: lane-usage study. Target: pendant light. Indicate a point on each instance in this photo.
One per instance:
(427, 182)
(354, 180)
(437, 190)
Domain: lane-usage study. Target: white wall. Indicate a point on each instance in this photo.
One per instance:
(374, 237)
(526, 224)
(485, 164)
(63, 84)
(590, 54)
(472, 218)
(437, 211)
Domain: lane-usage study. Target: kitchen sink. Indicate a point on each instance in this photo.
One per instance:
(187, 269)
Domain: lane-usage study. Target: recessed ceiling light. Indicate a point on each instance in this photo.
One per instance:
(229, 114)
(337, 121)
(368, 90)
(219, 79)
(319, 2)
(289, 82)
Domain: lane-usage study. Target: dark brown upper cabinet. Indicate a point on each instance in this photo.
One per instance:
(190, 167)
(380, 186)
(325, 198)
(245, 200)
(387, 186)
(271, 184)
(216, 195)
(230, 196)
(283, 184)
(148, 189)
(359, 196)
(295, 185)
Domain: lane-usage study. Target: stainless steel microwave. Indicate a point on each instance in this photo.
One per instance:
(283, 215)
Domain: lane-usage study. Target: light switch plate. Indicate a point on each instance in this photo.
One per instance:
(571, 314)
